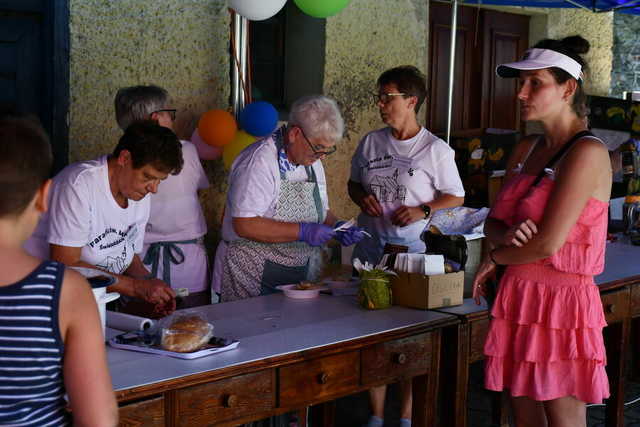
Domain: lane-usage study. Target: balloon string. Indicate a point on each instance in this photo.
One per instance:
(237, 62)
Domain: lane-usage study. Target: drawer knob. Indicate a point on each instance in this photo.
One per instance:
(400, 358)
(323, 378)
(230, 401)
(611, 308)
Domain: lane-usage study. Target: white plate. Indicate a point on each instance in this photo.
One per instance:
(291, 291)
(90, 273)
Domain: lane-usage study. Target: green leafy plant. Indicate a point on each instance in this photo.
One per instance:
(375, 285)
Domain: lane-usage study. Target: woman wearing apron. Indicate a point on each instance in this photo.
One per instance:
(400, 175)
(277, 215)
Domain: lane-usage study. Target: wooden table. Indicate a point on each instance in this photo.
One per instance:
(463, 343)
(292, 353)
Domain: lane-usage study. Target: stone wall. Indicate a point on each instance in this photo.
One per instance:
(598, 29)
(181, 45)
(366, 38)
(625, 73)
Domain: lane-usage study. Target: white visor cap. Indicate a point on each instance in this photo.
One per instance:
(537, 59)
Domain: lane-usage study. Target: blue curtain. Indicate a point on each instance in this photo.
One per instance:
(596, 5)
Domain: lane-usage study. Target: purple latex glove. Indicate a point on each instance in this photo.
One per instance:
(349, 236)
(315, 234)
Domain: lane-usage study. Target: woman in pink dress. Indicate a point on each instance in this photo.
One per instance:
(548, 227)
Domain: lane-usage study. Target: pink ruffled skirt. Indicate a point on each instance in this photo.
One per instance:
(545, 339)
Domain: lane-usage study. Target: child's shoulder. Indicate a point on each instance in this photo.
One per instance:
(19, 267)
(74, 280)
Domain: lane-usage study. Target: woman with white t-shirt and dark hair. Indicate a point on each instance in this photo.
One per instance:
(174, 235)
(400, 175)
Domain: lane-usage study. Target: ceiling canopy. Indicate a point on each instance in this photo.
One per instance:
(597, 6)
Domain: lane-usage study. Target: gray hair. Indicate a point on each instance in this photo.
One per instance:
(137, 103)
(318, 116)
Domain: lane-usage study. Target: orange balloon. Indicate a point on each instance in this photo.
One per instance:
(217, 127)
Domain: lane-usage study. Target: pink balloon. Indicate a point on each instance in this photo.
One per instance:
(205, 151)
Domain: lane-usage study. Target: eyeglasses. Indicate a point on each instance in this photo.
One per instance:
(386, 97)
(317, 153)
(172, 112)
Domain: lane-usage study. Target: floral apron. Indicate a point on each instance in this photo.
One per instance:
(254, 268)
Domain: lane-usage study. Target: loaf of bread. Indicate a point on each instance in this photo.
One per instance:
(186, 334)
(307, 286)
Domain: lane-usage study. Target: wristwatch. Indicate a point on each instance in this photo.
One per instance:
(426, 209)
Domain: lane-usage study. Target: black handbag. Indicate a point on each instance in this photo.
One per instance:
(453, 247)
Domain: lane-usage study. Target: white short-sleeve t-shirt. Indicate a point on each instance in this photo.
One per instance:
(403, 172)
(176, 213)
(254, 184)
(83, 213)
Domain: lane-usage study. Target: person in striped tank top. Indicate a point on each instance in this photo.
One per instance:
(50, 333)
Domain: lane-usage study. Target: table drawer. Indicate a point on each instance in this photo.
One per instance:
(635, 300)
(319, 379)
(212, 403)
(145, 413)
(478, 330)
(400, 358)
(616, 305)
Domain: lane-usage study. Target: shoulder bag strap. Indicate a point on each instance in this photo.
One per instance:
(561, 153)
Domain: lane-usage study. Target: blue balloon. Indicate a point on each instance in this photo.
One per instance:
(258, 118)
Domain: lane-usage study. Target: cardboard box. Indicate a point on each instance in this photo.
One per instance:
(427, 292)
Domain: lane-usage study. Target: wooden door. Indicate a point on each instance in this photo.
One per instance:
(505, 39)
(34, 70)
(467, 76)
(21, 74)
(485, 38)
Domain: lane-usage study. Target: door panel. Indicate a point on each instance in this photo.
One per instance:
(506, 39)
(484, 39)
(34, 65)
(21, 73)
(466, 85)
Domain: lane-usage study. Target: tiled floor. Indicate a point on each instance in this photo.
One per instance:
(353, 411)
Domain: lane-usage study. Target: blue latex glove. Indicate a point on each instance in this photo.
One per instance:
(349, 236)
(315, 234)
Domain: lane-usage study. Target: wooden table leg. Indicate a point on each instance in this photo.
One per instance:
(171, 408)
(616, 338)
(634, 344)
(324, 414)
(500, 408)
(455, 375)
(425, 389)
(302, 416)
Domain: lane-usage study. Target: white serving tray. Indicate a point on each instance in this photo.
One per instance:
(154, 350)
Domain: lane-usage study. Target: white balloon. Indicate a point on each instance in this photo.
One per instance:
(257, 10)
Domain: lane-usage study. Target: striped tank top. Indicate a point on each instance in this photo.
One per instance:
(31, 349)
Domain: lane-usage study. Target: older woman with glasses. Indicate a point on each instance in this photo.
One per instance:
(277, 213)
(400, 175)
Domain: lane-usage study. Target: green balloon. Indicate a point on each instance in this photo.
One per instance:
(321, 8)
